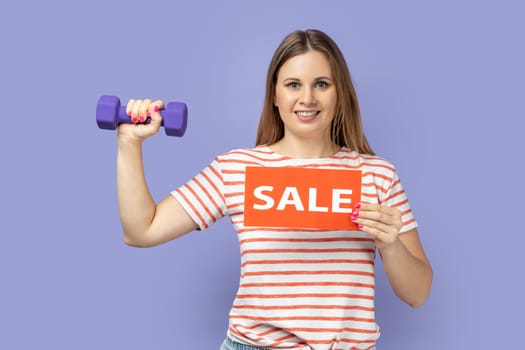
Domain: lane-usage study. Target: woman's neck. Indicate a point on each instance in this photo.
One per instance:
(304, 148)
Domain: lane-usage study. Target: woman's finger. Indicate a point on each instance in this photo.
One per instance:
(154, 112)
(143, 109)
(135, 111)
(383, 215)
(377, 225)
(129, 107)
(376, 208)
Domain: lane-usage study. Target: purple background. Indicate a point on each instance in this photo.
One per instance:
(441, 90)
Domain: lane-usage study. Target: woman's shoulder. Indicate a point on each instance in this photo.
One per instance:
(244, 154)
(365, 160)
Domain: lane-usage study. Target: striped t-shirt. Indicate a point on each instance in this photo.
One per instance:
(299, 288)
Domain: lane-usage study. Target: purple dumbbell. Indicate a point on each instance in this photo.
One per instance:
(110, 113)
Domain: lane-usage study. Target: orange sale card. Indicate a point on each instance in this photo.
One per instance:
(298, 197)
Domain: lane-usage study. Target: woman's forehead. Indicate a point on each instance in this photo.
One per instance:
(311, 64)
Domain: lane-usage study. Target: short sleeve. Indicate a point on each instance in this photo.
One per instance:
(395, 197)
(202, 196)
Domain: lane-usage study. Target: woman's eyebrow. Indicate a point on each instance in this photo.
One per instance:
(323, 78)
(318, 78)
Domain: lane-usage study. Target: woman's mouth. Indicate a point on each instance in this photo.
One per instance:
(306, 115)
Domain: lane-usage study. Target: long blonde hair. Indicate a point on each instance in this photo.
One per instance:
(347, 128)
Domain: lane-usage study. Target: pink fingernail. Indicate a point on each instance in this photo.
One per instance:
(354, 218)
(129, 113)
(134, 120)
(358, 205)
(156, 109)
(142, 119)
(360, 226)
(148, 114)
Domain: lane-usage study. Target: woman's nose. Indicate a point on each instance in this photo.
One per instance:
(308, 97)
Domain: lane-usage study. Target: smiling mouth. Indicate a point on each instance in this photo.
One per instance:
(307, 115)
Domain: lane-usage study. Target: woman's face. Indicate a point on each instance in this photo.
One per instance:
(306, 96)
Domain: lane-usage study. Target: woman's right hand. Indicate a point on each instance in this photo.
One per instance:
(138, 111)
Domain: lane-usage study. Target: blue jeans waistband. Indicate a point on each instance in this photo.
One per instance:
(229, 344)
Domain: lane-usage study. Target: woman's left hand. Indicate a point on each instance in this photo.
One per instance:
(382, 222)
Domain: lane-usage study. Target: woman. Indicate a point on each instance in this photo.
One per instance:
(301, 287)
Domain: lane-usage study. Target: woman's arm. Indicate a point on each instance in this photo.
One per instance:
(406, 265)
(145, 223)
(408, 269)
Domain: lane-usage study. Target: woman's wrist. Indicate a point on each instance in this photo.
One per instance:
(392, 249)
(128, 141)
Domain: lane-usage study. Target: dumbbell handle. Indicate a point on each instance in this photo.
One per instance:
(110, 113)
(123, 117)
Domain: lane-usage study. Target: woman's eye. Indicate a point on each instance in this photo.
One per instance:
(293, 85)
(321, 84)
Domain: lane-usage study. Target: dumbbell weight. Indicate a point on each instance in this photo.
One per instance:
(110, 114)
